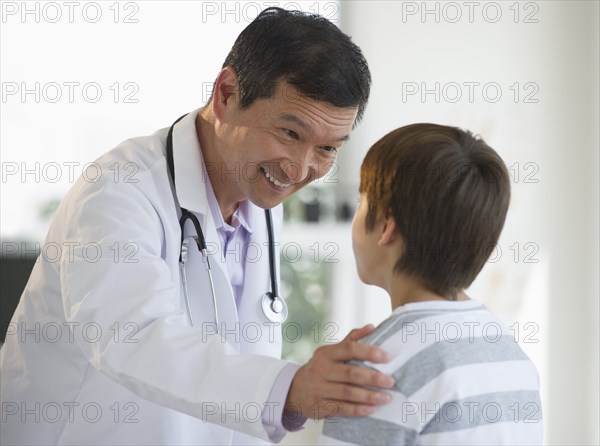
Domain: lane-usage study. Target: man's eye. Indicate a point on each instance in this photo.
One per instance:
(291, 133)
(330, 149)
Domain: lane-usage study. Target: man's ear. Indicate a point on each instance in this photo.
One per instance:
(389, 231)
(225, 92)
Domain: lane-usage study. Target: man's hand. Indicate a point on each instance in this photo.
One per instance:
(326, 386)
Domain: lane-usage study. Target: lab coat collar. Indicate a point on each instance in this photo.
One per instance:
(190, 173)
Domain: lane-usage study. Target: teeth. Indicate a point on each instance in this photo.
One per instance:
(274, 181)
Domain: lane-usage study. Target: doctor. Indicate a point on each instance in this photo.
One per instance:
(120, 342)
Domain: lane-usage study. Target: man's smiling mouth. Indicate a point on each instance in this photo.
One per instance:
(276, 182)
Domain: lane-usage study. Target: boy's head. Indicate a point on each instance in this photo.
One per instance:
(445, 194)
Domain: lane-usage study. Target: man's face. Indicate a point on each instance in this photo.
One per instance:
(277, 146)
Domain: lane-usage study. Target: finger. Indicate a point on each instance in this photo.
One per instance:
(359, 376)
(347, 350)
(359, 333)
(348, 393)
(344, 409)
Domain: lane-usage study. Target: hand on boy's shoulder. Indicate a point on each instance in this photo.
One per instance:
(328, 385)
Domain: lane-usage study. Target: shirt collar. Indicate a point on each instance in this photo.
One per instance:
(242, 216)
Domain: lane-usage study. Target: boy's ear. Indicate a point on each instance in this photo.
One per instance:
(389, 232)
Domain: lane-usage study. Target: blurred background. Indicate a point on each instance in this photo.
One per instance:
(77, 78)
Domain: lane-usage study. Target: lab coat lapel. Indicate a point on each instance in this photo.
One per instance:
(190, 181)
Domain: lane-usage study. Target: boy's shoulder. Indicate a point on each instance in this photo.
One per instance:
(427, 341)
(432, 321)
(461, 378)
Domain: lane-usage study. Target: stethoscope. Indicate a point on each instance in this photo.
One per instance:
(273, 306)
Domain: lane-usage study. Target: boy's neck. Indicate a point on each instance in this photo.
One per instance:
(404, 290)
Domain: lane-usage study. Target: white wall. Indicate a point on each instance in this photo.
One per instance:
(151, 66)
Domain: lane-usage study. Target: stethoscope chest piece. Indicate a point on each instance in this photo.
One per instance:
(275, 308)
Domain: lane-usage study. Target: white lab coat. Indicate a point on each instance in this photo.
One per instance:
(103, 352)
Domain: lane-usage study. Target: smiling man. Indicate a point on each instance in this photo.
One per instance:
(161, 335)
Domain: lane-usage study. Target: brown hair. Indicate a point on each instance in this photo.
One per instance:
(448, 192)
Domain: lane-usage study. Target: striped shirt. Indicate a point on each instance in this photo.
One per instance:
(461, 378)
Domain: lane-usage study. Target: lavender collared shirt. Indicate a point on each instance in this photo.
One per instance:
(233, 238)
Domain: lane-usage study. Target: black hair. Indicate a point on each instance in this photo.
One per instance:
(305, 50)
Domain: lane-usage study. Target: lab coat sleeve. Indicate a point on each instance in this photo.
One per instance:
(118, 277)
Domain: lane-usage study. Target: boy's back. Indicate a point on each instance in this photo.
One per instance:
(461, 378)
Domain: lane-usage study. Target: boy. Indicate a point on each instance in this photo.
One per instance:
(433, 200)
